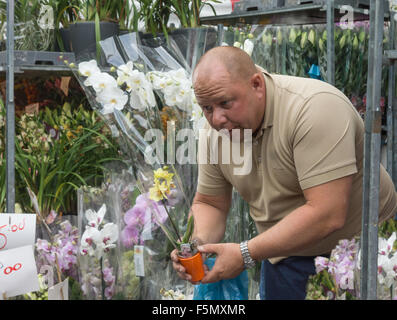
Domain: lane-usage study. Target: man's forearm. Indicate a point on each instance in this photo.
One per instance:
(296, 231)
(209, 223)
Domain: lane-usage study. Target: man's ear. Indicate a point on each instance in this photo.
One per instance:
(257, 81)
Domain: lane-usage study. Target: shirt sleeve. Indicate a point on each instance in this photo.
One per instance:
(324, 140)
(211, 180)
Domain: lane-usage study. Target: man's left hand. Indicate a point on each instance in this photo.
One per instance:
(228, 264)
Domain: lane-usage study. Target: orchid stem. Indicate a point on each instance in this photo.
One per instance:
(172, 222)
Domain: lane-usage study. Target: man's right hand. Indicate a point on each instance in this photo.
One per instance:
(180, 269)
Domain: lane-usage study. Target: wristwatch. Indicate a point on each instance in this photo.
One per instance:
(248, 261)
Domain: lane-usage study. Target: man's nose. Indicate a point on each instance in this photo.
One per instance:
(219, 118)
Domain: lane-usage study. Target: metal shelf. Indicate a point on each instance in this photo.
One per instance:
(302, 14)
(36, 63)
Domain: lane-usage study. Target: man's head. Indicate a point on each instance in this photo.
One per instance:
(230, 89)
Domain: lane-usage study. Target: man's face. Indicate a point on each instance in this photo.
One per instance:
(229, 103)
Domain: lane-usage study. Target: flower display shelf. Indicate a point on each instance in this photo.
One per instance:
(306, 13)
(38, 61)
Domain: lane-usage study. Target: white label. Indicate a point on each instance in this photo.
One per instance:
(147, 227)
(17, 230)
(18, 273)
(60, 291)
(138, 261)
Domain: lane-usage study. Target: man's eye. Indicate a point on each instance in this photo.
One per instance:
(207, 109)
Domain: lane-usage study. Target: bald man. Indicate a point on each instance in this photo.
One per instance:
(305, 186)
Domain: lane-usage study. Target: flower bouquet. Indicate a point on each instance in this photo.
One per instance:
(98, 254)
(145, 96)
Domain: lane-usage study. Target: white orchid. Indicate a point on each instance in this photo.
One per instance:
(197, 118)
(101, 81)
(95, 218)
(88, 68)
(387, 261)
(137, 85)
(112, 98)
(248, 46)
(97, 240)
(89, 239)
(108, 235)
(175, 86)
(125, 70)
(385, 247)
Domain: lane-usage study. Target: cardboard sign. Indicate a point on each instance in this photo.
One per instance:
(32, 108)
(60, 291)
(18, 273)
(17, 230)
(65, 85)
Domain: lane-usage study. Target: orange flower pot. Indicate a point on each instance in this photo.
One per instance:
(194, 266)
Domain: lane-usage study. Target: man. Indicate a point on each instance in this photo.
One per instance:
(305, 185)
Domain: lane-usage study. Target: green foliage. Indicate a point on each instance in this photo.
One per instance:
(56, 152)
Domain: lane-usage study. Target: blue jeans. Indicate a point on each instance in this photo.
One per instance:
(287, 279)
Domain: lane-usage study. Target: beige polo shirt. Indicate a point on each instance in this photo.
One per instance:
(311, 134)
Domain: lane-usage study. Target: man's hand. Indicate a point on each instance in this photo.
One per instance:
(180, 269)
(228, 264)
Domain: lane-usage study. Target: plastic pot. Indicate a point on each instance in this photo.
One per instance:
(194, 266)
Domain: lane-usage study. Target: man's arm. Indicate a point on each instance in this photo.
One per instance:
(210, 214)
(324, 212)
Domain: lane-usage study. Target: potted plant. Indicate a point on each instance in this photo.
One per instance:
(86, 22)
(188, 254)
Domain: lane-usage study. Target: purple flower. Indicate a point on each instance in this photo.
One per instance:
(129, 236)
(135, 216)
(321, 263)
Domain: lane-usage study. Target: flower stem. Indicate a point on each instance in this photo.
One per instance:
(172, 222)
(102, 280)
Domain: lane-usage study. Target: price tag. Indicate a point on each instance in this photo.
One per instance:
(60, 291)
(18, 273)
(138, 261)
(17, 230)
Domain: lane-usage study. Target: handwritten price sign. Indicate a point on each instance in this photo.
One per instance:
(17, 230)
(18, 273)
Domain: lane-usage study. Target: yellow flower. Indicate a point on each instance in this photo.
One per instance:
(161, 174)
(159, 191)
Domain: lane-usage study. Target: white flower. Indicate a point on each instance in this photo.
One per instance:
(197, 118)
(101, 81)
(237, 44)
(248, 46)
(88, 68)
(95, 218)
(89, 239)
(125, 70)
(108, 235)
(139, 87)
(112, 98)
(385, 247)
